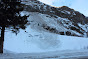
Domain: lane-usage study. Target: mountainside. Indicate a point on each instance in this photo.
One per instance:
(60, 20)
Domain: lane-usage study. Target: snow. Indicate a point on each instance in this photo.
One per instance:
(22, 43)
(36, 39)
(66, 12)
(73, 43)
(42, 42)
(43, 20)
(85, 28)
(73, 13)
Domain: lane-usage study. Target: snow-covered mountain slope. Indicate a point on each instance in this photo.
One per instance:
(39, 37)
(66, 17)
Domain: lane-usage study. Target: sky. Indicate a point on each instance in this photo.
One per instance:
(78, 5)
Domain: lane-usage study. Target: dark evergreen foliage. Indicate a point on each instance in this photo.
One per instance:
(10, 18)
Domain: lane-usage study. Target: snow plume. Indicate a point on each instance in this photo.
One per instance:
(47, 41)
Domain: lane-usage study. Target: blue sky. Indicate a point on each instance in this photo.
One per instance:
(78, 5)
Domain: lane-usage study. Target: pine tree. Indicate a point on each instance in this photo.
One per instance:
(10, 18)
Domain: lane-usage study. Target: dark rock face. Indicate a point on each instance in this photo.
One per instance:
(68, 33)
(73, 16)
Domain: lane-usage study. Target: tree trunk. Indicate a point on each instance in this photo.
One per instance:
(2, 39)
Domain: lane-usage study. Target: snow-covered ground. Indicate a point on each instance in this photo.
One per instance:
(59, 47)
(43, 42)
